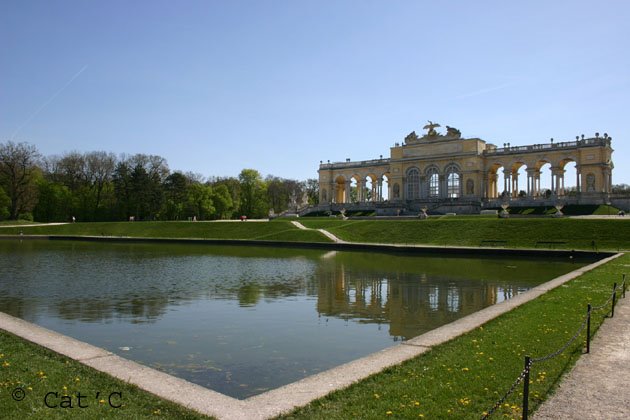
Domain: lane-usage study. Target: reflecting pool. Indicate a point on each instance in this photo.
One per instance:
(243, 320)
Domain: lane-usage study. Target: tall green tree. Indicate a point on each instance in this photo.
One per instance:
(175, 194)
(222, 200)
(5, 201)
(312, 191)
(18, 174)
(199, 201)
(55, 202)
(253, 190)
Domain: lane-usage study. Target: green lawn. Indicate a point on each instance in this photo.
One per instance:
(38, 371)
(585, 234)
(605, 234)
(274, 231)
(463, 378)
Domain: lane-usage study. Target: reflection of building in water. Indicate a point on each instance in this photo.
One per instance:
(410, 303)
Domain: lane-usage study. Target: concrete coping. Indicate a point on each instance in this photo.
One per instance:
(282, 399)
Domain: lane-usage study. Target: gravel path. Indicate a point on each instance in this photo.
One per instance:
(597, 387)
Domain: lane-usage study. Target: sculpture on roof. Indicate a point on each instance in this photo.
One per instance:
(411, 137)
(453, 132)
(431, 126)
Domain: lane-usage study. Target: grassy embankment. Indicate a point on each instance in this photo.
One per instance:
(38, 371)
(275, 231)
(585, 234)
(463, 378)
(605, 234)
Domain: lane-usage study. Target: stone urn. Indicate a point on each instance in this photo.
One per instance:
(504, 213)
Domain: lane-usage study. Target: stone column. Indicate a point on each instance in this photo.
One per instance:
(578, 175)
(557, 175)
(379, 190)
(360, 192)
(443, 187)
(346, 199)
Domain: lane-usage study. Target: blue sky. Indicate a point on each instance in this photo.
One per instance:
(215, 87)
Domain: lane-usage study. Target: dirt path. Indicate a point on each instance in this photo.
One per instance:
(323, 231)
(597, 387)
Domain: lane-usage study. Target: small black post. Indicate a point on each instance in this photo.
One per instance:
(588, 328)
(612, 311)
(526, 388)
(623, 291)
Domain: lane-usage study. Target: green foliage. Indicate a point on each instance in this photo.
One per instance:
(5, 201)
(253, 189)
(55, 202)
(18, 175)
(223, 204)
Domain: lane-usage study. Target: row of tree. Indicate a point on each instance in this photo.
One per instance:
(100, 186)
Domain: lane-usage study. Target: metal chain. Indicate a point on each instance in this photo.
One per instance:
(596, 308)
(563, 348)
(507, 394)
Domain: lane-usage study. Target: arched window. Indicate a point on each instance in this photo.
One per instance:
(453, 188)
(413, 184)
(433, 179)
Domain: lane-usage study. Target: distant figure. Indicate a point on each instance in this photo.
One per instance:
(132, 218)
(622, 213)
(74, 219)
(243, 218)
(194, 218)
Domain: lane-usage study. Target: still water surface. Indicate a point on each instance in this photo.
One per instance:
(243, 320)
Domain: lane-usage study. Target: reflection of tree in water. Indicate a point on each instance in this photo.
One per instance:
(136, 310)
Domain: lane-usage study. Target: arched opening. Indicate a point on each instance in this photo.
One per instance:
(519, 179)
(570, 180)
(340, 190)
(453, 182)
(385, 187)
(355, 192)
(545, 188)
(412, 191)
(433, 182)
(369, 189)
(495, 181)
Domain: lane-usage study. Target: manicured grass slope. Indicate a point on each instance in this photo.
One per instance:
(611, 234)
(278, 230)
(466, 376)
(39, 371)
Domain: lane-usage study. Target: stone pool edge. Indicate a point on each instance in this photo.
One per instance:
(287, 397)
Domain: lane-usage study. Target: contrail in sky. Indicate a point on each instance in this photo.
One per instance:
(52, 98)
(482, 91)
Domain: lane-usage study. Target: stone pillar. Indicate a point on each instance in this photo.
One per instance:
(515, 184)
(346, 199)
(379, 190)
(360, 191)
(557, 176)
(578, 175)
